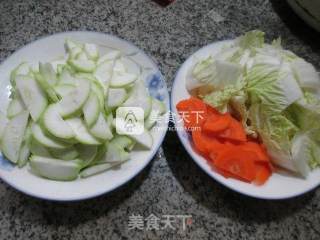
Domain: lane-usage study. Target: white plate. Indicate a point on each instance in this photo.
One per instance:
(277, 187)
(50, 48)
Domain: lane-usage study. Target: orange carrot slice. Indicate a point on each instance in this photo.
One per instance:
(214, 146)
(206, 144)
(227, 174)
(193, 112)
(216, 123)
(222, 140)
(199, 141)
(238, 162)
(258, 149)
(211, 110)
(263, 172)
(234, 132)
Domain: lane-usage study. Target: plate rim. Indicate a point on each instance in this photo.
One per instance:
(152, 154)
(307, 17)
(192, 152)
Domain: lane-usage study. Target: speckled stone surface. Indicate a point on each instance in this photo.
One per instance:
(172, 184)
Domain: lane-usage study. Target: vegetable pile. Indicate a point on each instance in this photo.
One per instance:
(271, 91)
(222, 140)
(60, 118)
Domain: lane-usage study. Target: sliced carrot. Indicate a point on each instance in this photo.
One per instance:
(263, 172)
(193, 112)
(224, 173)
(234, 132)
(258, 149)
(227, 174)
(238, 162)
(199, 141)
(222, 140)
(214, 148)
(212, 144)
(211, 110)
(217, 122)
(206, 144)
(239, 133)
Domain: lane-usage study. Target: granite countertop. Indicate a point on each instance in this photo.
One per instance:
(172, 184)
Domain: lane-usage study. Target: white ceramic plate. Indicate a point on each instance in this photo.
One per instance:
(277, 187)
(50, 48)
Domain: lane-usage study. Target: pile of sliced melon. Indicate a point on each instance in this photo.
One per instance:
(60, 119)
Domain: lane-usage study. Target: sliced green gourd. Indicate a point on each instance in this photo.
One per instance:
(64, 89)
(82, 56)
(87, 154)
(97, 87)
(3, 124)
(124, 142)
(145, 139)
(55, 125)
(58, 65)
(119, 66)
(91, 50)
(45, 140)
(72, 103)
(25, 146)
(82, 133)
(101, 128)
(16, 106)
(116, 96)
(22, 69)
(55, 169)
(101, 151)
(158, 109)
(104, 87)
(70, 153)
(69, 44)
(74, 52)
(47, 79)
(48, 73)
(46, 87)
(122, 79)
(115, 153)
(131, 65)
(59, 69)
(139, 97)
(86, 66)
(99, 91)
(88, 76)
(104, 71)
(110, 120)
(32, 95)
(13, 136)
(109, 56)
(37, 149)
(34, 68)
(66, 77)
(23, 155)
(100, 168)
(91, 110)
